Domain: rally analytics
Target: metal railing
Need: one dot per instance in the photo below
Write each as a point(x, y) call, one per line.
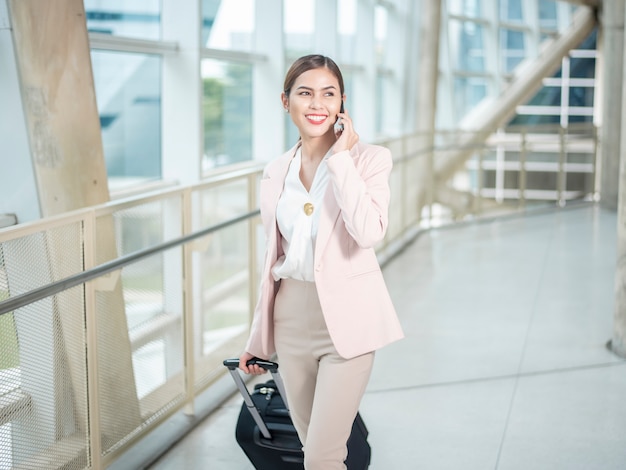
point(115, 317)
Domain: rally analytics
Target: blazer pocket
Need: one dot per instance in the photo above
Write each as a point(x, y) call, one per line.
point(362, 260)
point(367, 272)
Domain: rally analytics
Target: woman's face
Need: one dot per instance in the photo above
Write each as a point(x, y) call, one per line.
point(314, 101)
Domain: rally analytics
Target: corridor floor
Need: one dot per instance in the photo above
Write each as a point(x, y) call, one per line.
point(504, 365)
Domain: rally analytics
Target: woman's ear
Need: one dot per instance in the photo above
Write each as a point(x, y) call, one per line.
point(285, 100)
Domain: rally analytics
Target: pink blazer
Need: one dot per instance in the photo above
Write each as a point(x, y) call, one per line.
point(355, 302)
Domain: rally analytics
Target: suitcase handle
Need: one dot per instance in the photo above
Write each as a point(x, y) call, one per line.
point(267, 365)
point(233, 366)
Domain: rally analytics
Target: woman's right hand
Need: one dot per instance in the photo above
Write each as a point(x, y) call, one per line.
point(252, 369)
point(346, 138)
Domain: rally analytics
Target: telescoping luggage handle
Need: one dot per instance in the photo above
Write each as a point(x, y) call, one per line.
point(233, 368)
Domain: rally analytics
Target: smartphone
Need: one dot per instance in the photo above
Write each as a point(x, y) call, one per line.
point(338, 123)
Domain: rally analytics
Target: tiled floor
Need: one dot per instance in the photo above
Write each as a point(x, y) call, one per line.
point(505, 364)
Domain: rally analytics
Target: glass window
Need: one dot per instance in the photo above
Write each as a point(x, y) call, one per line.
point(511, 10)
point(590, 42)
point(228, 24)
point(380, 97)
point(547, 96)
point(547, 14)
point(468, 92)
point(469, 8)
point(299, 26)
point(130, 19)
point(466, 39)
point(581, 96)
point(346, 29)
point(128, 92)
point(512, 47)
point(576, 119)
point(545, 36)
point(227, 113)
point(535, 119)
point(380, 28)
point(582, 67)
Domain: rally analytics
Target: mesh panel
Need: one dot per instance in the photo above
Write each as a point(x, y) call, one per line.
point(139, 227)
point(218, 204)
point(139, 320)
point(224, 297)
point(43, 257)
point(220, 274)
point(43, 392)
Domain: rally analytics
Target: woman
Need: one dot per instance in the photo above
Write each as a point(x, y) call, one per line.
point(324, 307)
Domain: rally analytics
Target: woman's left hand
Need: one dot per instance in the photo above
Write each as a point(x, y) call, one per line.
point(346, 138)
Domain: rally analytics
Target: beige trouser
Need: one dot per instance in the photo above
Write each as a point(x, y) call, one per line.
point(323, 389)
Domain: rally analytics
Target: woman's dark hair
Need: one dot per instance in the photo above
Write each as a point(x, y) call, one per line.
point(310, 62)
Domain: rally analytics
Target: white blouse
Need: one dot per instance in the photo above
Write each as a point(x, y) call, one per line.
point(298, 215)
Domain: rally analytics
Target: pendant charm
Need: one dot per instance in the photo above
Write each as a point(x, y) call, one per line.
point(308, 208)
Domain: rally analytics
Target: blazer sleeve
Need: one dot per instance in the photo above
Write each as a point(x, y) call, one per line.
point(361, 188)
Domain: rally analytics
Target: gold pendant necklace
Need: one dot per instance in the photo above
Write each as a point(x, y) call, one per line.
point(308, 208)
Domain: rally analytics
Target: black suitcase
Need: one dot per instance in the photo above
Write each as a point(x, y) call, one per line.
point(266, 434)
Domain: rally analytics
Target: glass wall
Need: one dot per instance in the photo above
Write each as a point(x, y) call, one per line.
point(548, 15)
point(481, 50)
point(346, 30)
point(128, 92)
point(568, 96)
point(134, 19)
point(227, 113)
point(484, 49)
point(228, 24)
point(298, 27)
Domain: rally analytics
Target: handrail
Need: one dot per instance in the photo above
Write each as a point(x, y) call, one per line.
point(56, 287)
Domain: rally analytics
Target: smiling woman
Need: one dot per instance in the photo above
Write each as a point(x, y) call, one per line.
point(324, 308)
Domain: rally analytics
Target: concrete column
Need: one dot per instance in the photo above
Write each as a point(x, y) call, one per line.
point(394, 100)
point(56, 82)
point(53, 58)
point(618, 342)
point(427, 79)
point(360, 103)
point(182, 93)
point(269, 139)
point(612, 57)
point(325, 36)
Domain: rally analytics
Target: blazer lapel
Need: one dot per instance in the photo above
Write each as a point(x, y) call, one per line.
point(329, 215)
point(272, 186)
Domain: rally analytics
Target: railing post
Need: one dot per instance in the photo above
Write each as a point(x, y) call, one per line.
point(522, 169)
point(480, 180)
point(500, 163)
point(596, 174)
point(188, 306)
point(431, 182)
point(404, 162)
point(560, 182)
point(252, 245)
point(91, 338)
